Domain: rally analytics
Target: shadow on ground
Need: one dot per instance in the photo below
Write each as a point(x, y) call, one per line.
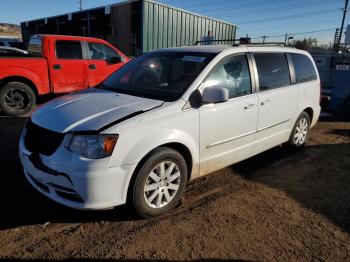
point(318, 177)
point(115, 260)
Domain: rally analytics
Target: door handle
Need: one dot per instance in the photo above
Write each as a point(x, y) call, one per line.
point(57, 67)
point(266, 102)
point(92, 67)
point(250, 106)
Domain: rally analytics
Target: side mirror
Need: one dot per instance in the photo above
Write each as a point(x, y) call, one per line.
point(114, 60)
point(214, 94)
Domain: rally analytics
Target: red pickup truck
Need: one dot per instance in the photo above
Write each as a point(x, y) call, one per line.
point(55, 64)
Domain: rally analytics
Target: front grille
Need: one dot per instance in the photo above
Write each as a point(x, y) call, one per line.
point(41, 140)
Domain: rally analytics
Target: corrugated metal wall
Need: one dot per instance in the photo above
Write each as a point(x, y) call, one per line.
point(121, 26)
point(164, 26)
point(134, 26)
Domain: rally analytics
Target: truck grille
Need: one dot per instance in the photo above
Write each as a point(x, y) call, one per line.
point(41, 140)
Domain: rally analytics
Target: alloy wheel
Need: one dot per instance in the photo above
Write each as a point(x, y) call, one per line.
point(162, 184)
point(301, 132)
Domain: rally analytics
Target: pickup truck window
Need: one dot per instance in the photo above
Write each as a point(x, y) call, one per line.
point(99, 51)
point(69, 50)
point(35, 46)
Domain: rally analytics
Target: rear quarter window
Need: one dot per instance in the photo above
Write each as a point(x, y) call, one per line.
point(303, 67)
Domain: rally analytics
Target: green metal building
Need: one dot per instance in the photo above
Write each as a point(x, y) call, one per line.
point(134, 26)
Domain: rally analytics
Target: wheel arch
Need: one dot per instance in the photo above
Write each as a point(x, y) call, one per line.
point(179, 147)
point(310, 112)
point(20, 79)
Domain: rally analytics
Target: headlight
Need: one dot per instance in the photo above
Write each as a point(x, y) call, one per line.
point(93, 146)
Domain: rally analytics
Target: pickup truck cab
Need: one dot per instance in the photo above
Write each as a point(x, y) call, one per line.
point(167, 117)
point(55, 64)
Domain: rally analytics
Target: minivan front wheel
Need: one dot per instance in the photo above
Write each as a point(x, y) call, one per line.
point(159, 182)
point(301, 131)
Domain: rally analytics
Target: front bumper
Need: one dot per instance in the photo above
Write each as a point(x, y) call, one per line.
point(75, 183)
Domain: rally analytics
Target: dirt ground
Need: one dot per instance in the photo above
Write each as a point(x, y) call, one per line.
point(280, 205)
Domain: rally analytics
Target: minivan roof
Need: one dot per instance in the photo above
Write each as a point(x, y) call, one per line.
point(219, 48)
point(199, 48)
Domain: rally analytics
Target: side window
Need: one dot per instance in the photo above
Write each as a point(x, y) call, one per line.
point(69, 50)
point(2, 43)
point(304, 69)
point(273, 70)
point(101, 51)
point(232, 73)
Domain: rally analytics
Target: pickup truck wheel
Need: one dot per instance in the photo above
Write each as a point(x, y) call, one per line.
point(301, 131)
point(16, 99)
point(159, 183)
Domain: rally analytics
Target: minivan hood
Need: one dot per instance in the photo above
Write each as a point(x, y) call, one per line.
point(89, 110)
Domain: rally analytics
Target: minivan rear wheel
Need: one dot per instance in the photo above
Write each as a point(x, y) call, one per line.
point(301, 131)
point(159, 182)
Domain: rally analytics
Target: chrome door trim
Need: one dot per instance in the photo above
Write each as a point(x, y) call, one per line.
point(273, 125)
point(246, 134)
point(230, 139)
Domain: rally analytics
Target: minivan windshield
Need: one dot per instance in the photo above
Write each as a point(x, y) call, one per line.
point(162, 75)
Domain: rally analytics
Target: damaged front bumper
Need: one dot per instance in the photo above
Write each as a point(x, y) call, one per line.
point(74, 181)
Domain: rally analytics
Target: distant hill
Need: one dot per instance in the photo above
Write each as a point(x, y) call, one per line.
point(10, 29)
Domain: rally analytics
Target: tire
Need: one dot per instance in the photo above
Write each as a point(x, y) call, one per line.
point(301, 131)
point(161, 196)
point(16, 99)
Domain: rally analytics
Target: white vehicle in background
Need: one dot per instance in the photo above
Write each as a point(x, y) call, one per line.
point(12, 42)
point(8, 51)
point(167, 117)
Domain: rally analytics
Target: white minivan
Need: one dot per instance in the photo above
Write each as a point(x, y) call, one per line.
point(167, 117)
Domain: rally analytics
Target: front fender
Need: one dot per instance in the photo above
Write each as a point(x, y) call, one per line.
point(144, 146)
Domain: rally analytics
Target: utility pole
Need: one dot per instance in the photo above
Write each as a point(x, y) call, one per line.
point(342, 22)
point(80, 5)
point(285, 39)
point(338, 34)
point(264, 37)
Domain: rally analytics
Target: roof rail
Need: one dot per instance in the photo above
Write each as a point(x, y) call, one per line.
point(267, 43)
point(209, 41)
point(240, 41)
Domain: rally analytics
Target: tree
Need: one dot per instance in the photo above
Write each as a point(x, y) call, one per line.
point(304, 44)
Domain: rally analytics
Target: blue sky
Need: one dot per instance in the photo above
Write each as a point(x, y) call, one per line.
point(253, 17)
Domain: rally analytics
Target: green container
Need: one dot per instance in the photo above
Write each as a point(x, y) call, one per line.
point(135, 26)
point(164, 26)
